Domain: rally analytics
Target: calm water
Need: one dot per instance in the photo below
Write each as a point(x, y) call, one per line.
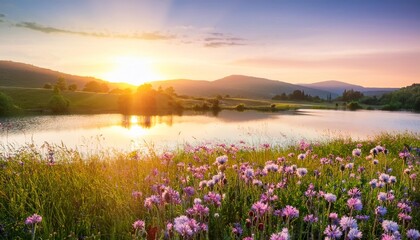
point(167, 132)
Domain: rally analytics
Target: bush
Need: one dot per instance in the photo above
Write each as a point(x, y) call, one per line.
point(59, 104)
point(354, 106)
point(240, 107)
point(6, 105)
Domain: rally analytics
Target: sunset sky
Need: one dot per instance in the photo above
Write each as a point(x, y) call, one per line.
point(370, 43)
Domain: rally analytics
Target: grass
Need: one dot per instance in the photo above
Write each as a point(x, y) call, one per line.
point(101, 195)
point(38, 98)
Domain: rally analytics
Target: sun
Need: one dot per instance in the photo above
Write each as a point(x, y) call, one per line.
point(132, 70)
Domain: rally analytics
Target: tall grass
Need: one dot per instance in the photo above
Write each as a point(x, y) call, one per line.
point(100, 196)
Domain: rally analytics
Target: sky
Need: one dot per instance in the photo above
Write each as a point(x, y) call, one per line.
point(370, 43)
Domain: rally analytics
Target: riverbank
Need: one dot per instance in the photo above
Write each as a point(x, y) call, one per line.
point(35, 101)
point(220, 190)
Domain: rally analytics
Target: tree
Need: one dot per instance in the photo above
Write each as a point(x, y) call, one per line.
point(95, 86)
point(351, 95)
point(146, 87)
point(61, 83)
point(58, 103)
point(48, 86)
point(73, 87)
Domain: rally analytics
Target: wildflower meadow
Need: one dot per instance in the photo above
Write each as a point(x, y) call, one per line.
point(338, 189)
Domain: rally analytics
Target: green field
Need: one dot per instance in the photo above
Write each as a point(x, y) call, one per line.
point(37, 99)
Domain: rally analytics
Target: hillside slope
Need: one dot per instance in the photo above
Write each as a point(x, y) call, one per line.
point(237, 86)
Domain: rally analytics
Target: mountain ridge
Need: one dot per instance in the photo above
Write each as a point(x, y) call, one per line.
point(19, 74)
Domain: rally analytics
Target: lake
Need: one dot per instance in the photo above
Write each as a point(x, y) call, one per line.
point(122, 132)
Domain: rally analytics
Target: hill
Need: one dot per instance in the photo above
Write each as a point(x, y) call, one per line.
point(237, 86)
point(15, 74)
point(338, 87)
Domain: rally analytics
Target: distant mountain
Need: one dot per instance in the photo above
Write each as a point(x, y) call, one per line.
point(15, 74)
point(237, 86)
point(338, 87)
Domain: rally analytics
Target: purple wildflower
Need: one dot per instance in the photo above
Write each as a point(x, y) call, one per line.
point(330, 197)
point(355, 203)
point(260, 208)
point(354, 233)
point(310, 218)
point(333, 232)
point(33, 219)
point(139, 225)
point(301, 172)
point(283, 235)
point(356, 152)
point(348, 222)
point(290, 212)
point(222, 159)
point(389, 226)
point(213, 198)
point(185, 226)
point(380, 210)
point(413, 234)
point(189, 191)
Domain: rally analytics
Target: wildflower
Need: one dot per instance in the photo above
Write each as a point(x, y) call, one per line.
point(354, 193)
point(290, 212)
point(260, 208)
point(169, 195)
point(392, 179)
point(348, 222)
point(384, 178)
point(355, 203)
point(249, 173)
point(413, 234)
point(301, 172)
point(283, 235)
point(333, 216)
point(310, 218)
point(139, 225)
point(271, 167)
point(404, 207)
point(237, 229)
point(189, 191)
point(382, 196)
point(222, 159)
point(354, 233)
point(333, 232)
point(185, 226)
point(325, 161)
point(330, 197)
point(350, 165)
point(375, 161)
point(310, 192)
point(404, 217)
point(213, 198)
point(373, 183)
point(389, 226)
point(33, 219)
point(301, 156)
point(198, 210)
point(152, 200)
point(356, 152)
point(380, 210)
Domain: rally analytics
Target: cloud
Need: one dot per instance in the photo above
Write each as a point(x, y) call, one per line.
point(222, 44)
point(394, 62)
point(218, 39)
point(139, 36)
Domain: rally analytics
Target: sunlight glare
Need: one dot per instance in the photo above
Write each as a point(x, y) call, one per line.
point(132, 70)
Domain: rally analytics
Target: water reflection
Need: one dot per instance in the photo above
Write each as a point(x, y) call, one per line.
point(130, 121)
